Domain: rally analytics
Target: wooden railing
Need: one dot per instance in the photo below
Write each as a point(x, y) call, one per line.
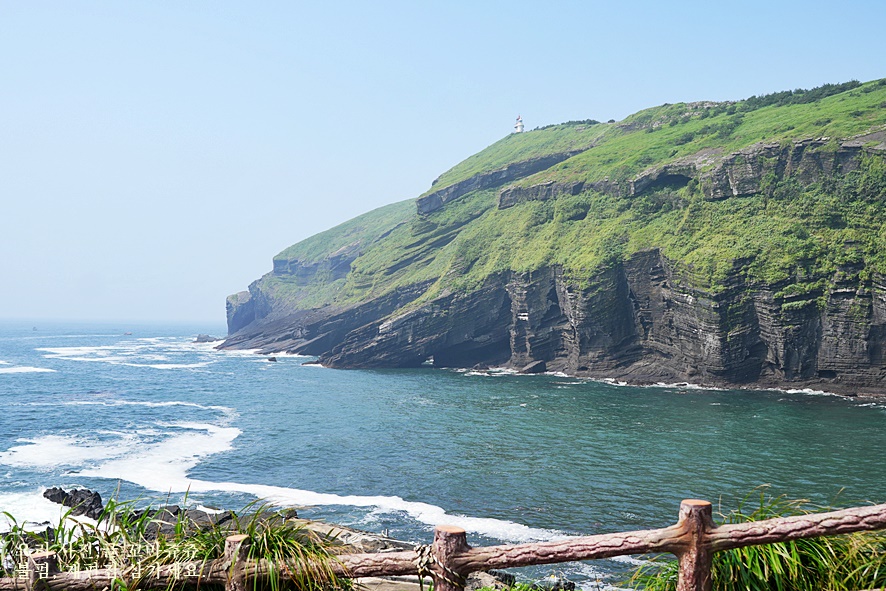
point(693, 539)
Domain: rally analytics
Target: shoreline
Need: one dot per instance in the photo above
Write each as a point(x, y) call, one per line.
point(819, 386)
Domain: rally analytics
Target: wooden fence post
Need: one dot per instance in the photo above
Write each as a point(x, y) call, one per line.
point(449, 541)
point(696, 560)
point(236, 548)
point(41, 565)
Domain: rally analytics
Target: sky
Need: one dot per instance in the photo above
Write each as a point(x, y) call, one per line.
point(155, 156)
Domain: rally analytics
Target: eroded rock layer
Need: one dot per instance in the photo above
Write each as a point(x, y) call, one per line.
point(640, 321)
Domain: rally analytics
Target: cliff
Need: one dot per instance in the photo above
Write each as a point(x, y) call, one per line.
point(715, 243)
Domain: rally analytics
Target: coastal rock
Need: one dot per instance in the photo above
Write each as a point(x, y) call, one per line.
point(205, 338)
point(240, 310)
point(535, 367)
point(493, 579)
point(83, 501)
point(512, 195)
point(641, 320)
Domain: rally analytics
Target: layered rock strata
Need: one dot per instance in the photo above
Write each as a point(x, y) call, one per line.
point(641, 321)
point(738, 174)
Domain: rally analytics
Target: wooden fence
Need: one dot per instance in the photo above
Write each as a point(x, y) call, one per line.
point(693, 539)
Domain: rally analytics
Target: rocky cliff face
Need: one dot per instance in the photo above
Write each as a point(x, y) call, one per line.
point(640, 321)
point(738, 174)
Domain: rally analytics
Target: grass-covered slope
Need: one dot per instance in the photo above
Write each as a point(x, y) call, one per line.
point(566, 137)
point(793, 231)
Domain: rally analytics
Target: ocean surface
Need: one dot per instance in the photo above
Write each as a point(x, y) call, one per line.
point(156, 417)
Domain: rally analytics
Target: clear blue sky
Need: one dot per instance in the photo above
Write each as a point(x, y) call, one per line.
point(154, 156)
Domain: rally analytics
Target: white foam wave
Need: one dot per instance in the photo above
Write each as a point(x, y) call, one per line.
point(238, 352)
point(163, 467)
point(229, 413)
point(25, 369)
point(684, 386)
point(51, 451)
point(812, 392)
point(143, 352)
point(425, 513)
point(171, 365)
point(492, 372)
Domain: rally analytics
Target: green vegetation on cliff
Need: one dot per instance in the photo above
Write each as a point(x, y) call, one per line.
point(774, 188)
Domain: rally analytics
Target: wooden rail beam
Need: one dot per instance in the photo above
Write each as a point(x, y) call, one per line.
point(784, 529)
point(666, 539)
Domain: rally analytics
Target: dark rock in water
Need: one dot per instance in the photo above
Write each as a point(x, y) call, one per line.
point(274, 359)
point(205, 338)
point(83, 501)
point(535, 367)
point(56, 495)
point(480, 367)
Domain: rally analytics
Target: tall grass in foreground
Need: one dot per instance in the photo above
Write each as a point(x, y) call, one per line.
point(136, 542)
point(846, 562)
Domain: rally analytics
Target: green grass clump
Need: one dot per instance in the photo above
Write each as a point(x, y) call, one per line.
point(846, 562)
point(132, 542)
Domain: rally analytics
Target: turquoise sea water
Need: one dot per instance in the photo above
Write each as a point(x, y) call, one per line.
point(509, 458)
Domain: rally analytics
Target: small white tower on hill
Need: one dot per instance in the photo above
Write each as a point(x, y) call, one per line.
point(518, 128)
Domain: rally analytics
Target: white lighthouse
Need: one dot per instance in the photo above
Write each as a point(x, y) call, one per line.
point(518, 128)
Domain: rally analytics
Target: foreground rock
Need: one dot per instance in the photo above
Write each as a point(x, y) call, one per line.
point(82, 501)
point(163, 521)
point(476, 580)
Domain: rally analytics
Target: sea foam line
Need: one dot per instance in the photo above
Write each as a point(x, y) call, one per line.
point(163, 467)
point(229, 413)
point(26, 369)
point(425, 513)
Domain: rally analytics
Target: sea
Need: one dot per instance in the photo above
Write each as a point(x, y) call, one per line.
point(144, 413)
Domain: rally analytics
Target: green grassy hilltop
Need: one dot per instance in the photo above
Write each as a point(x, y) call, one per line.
point(794, 229)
